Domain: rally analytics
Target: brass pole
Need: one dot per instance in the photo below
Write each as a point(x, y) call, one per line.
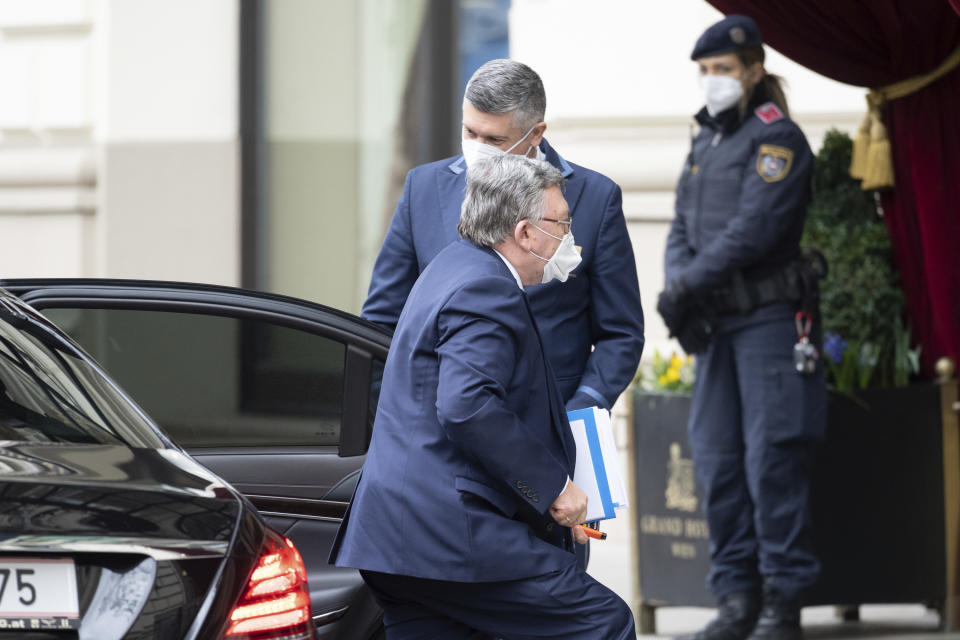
point(643, 614)
point(951, 492)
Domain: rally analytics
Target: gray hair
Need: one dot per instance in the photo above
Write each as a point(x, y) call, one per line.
point(506, 86)
point(501, 192)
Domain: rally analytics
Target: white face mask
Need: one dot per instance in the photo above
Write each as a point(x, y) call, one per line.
point(475, 151)
point(722, 92)
point(564, 260)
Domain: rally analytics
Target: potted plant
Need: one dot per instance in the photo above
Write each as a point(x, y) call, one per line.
point(672, 539)
point(884, 447)
point(866, 344)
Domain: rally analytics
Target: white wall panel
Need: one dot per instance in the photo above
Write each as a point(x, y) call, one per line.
point(48, 14)
point(632, 57)
point(45, 82)
point(45, 245)
point(16, 69)
point(61, 84)
point(47, 172)
point(169, 70)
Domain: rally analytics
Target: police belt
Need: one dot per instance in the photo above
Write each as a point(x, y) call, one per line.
point(744, 294)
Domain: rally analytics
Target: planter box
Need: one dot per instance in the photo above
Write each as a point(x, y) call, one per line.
point(885, 501)
point(673, 548)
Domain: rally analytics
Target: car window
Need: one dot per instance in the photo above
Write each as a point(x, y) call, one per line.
point(48, 394)
point(214, 381)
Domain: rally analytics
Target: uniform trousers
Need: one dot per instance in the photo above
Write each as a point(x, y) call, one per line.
point(753, 427)
point(564, 604)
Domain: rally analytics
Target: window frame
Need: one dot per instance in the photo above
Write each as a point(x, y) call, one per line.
point(363, 341)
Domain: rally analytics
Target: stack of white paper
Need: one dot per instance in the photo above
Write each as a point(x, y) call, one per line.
point(598, 467)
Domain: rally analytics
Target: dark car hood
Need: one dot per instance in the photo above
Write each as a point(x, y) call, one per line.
point(111, 491)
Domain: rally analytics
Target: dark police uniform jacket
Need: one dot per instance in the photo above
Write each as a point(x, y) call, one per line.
point(592, 324)
point(742, 197)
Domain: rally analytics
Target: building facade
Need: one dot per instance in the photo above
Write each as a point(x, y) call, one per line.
point(263, 143)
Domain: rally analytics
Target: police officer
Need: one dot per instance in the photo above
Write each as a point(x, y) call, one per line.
point(738, 296)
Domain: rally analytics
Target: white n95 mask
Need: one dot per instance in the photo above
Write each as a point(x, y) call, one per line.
point(474, 151)
point(721, 92)
point(564, 260)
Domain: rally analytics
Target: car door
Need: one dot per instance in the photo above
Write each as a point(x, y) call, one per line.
point(274, 394)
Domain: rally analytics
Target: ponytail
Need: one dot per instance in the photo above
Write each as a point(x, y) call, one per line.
point(773, 84)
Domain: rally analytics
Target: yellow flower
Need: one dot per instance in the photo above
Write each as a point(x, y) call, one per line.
point(673, 374)
point(675, 361)
point(663, 379)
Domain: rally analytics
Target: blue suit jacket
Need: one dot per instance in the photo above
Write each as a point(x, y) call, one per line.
point(471, 443)
point(599, 308)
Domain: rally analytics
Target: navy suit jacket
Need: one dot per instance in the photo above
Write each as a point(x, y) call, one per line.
point(471, 443)
point(592, 323)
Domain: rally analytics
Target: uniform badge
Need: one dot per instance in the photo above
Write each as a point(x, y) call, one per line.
point(773, 162)
point(738, 35)
point(768, 113)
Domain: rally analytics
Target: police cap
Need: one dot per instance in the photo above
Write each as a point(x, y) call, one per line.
point(733, 33)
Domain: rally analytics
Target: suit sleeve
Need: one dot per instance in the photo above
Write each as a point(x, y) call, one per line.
point(767, 211)
point(678, 254)
point(396, 269)
point(616, 313)
point(482, 329)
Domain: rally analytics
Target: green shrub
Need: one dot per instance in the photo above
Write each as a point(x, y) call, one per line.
point(865, 341)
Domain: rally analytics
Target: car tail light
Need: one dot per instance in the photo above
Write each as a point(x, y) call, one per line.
point(275, 603)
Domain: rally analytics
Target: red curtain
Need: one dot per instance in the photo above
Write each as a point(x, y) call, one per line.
point(872, 43)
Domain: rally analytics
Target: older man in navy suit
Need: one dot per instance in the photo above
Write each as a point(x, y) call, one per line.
point(464, 520)
point(593, 323)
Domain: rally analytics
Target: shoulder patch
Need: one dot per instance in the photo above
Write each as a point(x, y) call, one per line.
point(768, 113)
point(773, 162)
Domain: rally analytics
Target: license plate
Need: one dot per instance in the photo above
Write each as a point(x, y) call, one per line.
point(38, 593)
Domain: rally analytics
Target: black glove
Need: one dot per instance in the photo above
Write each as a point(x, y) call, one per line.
point(673, 305)
point(691, 325)
point(694, 335)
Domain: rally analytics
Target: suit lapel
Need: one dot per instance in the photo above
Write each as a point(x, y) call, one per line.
point(452, 185)
point(572, 189)
point(573, 181)
point(451, 188)
point(558, 414)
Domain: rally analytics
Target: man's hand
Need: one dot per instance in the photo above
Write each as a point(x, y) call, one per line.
point(579, 536)
point(570, 509)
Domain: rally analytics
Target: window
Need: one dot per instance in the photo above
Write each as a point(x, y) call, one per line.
point(213, 381)
point(48, 394)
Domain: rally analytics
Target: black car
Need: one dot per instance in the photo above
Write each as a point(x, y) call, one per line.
point(273, 394)
point(107, 529)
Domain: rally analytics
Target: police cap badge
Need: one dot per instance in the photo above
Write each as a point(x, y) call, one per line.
point(731, 34)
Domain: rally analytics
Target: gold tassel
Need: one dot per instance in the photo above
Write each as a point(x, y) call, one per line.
point(878, 173)
point(872, 159)
point(861, 145)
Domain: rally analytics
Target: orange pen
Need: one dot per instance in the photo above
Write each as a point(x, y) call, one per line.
point(593, 533)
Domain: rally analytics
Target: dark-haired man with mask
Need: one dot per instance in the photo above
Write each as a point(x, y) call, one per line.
point(589, 314)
